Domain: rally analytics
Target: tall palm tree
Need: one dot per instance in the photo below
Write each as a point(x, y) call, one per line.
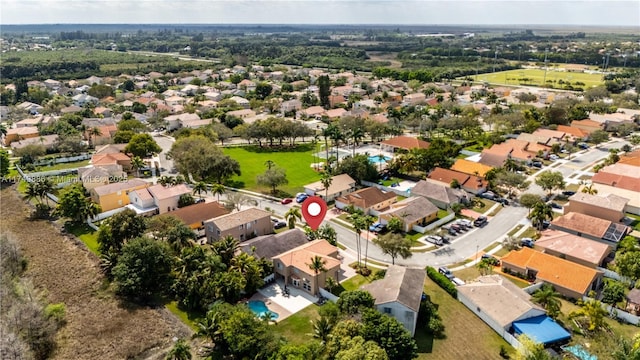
point(317, 265)
point(368, 221)
point(292, 215)
point(180, 351)
point(93, 132)
point(44, 187)
point(218, 189)
point(540, 213)
point(226, 249)
point(358, 225)
point(199, 188)
point(548, 298)
point(137, 163)
point(326, 179)
point(356, 135)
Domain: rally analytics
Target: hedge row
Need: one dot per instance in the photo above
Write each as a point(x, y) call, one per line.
point(442, 280)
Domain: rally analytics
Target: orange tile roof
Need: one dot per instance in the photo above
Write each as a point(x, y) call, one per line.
point(582, 223)
point(406, 142)
point(197, 213)
point(553, 270)
point(587, 123)
point(557, 134)
point(301, 256)
point(110, 158)
point(470, 167)
point(574, 131)
point(616, 180)
point(632, 158)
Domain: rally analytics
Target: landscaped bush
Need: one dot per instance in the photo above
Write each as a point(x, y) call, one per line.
point(442, 280)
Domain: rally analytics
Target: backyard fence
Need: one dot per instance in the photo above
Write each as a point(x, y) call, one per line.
point(618, 313)
point(532, 288)
point(386, 188)
point(327, 295)
point(433, 225)
point(612, 274)
point(60, 160)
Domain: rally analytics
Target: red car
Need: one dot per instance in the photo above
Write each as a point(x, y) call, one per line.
point(286, 201)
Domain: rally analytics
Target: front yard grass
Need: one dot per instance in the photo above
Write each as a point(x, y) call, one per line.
point(442, 213)
point(635, 224)
point(466, 335)
point(87, 235)
point(298, 328)
point(252, 161)
point(483, 205)
point(529, 233)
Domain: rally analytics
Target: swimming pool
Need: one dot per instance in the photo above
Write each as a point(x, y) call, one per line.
point(260, 308)
point(375, 159)
point(580, 352)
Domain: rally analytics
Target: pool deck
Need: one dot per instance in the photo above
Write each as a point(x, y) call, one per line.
point(273, 297)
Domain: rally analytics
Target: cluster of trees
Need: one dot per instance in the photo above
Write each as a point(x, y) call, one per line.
point(199, 157)
point(273, 130)
point(441, 153)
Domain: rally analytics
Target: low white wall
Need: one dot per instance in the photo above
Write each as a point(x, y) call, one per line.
point(326, 294)
point(618, 313)
point(433, 225)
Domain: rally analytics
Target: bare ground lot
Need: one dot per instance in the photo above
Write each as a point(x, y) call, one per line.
point(98, 325)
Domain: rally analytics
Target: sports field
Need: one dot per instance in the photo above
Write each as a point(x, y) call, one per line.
point(253, 159)
point(536, 77)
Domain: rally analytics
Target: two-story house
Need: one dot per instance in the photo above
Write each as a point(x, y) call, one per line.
point(242, 225)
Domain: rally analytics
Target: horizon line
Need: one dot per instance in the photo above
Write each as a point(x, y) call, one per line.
point(321, 24)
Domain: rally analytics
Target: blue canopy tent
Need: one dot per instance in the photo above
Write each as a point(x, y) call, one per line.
point(542, 329)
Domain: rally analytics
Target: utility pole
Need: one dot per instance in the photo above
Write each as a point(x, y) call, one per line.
point(544, 81)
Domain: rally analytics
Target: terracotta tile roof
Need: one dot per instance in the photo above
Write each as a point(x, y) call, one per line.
point(26, 130)
point(314, 110)
point(335, 113)
point(160, 191)
point(588, 124)
point(406, 142)
point(622, 169)
point(557, 134)
point(498, 297)
point(110, 148)
point(574, 131)
point(301, 256)
point(471, 167)
point(583, 223)
point(465, 180)
point(367, 197)
point(400, 284)
point(517, 149)
point(615, 180)
point(119, 186)
point(230, 221)
point(610, 201)
point(198, 213)
point(632, 158)
point(572, 245)
point(108, 158)
point(553, 270)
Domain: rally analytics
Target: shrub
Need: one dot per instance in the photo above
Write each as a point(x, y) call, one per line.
point(442, 281)
point(56, 312)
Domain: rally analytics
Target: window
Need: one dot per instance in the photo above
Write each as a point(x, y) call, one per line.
point(248, 225)
point(241, 237)
point(218, 232)
point(387, 310)
point(241, 227)
point(279, 266)
point(255, 221)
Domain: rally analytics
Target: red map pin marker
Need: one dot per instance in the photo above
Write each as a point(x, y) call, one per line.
point(314, 209)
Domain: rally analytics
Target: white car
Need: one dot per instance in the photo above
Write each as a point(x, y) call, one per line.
point(553, 157)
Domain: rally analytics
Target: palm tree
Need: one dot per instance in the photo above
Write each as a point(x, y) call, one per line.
point(93, 132)
point(317, 265)
point(90, 210)
point(356, 134)
point(218, 189)
point(548, 298)
point(199, 188)
point(180, 351)
point(540, 213)
point(330, 283)
point(589, 189)
point(44, 187)
point(358, 225)
point(226, 249)
point(593, 312)
point(292, 215)
point(269, 164)
point(368, 221)
point(3, 130)
point(210, 328)
point(322, 328)
point(137, 163)
point(326, 179)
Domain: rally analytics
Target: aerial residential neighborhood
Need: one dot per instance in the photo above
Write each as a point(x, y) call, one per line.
point(158, 202)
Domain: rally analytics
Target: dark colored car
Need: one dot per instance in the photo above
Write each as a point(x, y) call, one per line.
point(279, 225)
point(286, 201)
point(503, 201)
point(488, 195)
point(480, 221)
point(555, 205)
point(446, 272)
point(536, 164)
point(568, 193)
point(300, 199)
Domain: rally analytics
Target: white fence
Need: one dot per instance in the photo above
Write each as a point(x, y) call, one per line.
point(386, 188)
point(63, 159)
point(532, 288)
point(269, 278)
point(512, 340)
point(618, 313)
point(326, 294)
point(612, 274)
point(433, 225)
point(106, 214)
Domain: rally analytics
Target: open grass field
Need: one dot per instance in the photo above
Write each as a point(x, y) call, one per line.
point(297, 328)
point(87, 235)
point(64, 166)
point(536, 78)
point(252, 161)
point(466, 336)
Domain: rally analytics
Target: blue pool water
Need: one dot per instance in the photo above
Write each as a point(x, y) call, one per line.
point(580, 352)
point(375, 159)
point(259, 308)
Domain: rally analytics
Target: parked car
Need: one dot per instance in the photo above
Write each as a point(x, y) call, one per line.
point(536, 164)
point(554, 157)
point(198, 201)
point(286, 201)
point(446, 272)
point(568, 193)
point(457, 281)
point(583, 146)
point(488, 195)
point(545, 224)
point(555, 205)
point(434, 239)
point(480, 221)
point(503, 201)
point(300, 199)
point(279, 225)
point(377, 227)
point(528, 242)
point(465, 222)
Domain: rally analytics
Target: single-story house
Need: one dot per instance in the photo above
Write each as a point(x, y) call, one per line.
point(414, 212)
point(440, 195)
point(48, 141)
point(21, 133)
point(175, 121)
point(242, 225)
point(404, 143)
point(370, 200)
point(586, 125)
point(500, 303)
point(111, 159)
point(340, 185)
point(577, 249)
point(590, 227)
point(469, 183)
point(293, 265)
point(195, 215)
point(115, 195)
point(471, 167)
point(398, 294)
point(610, 207)
point(157, 198)
point(272, 245)
point(633, 206)
point(242, 114)
point(633, 301)
point(568, 278)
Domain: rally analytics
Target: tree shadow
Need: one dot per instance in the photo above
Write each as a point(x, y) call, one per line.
point(279, 148)
point(235, 184)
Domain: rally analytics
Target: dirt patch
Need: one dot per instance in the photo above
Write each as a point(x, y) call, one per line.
point(99, 326)
point(394, 63)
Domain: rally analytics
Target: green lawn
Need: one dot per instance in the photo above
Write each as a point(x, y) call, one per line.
point(529, 233)
point(636, 221)
point(355, 282)
point(252, 161)
point(87, 235)
point(483, 205)
point(537, 76)
point(466, 336)
point(298, 328)
point(63, 166)
point(442, 213)
point(189, 318)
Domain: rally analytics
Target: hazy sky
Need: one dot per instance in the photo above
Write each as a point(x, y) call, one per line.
point(481, 12)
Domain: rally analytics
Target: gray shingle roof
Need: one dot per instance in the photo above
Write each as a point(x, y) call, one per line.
point(400, 284)
point(269, 246)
